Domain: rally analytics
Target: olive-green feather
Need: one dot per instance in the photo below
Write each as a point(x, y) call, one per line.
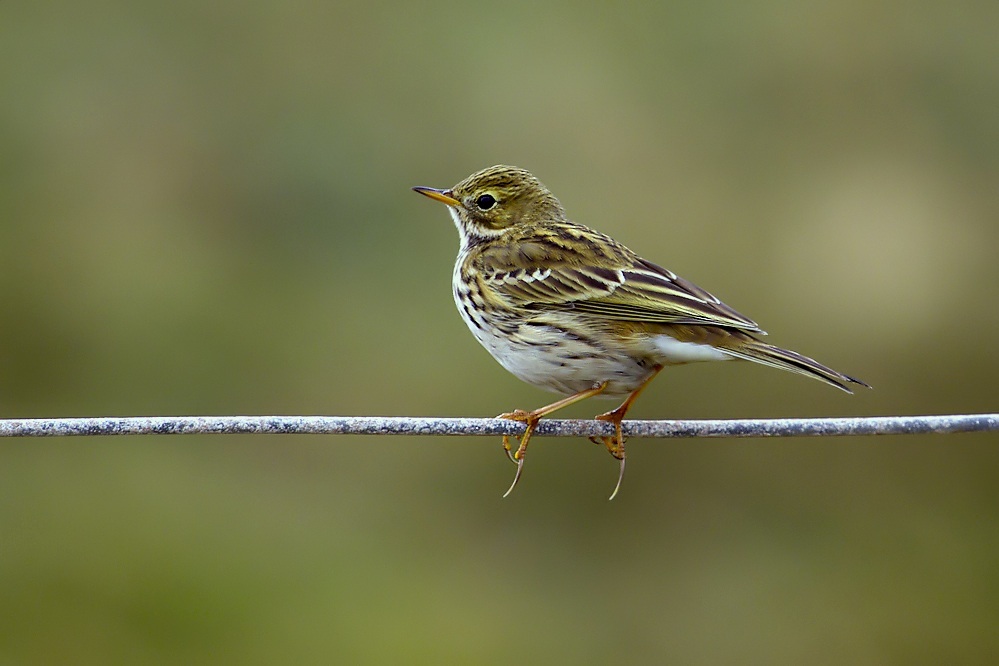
point(599, 277)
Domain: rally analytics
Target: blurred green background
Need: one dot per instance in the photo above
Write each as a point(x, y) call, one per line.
point(206, 210)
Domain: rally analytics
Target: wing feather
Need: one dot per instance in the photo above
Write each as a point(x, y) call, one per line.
point(577, 269)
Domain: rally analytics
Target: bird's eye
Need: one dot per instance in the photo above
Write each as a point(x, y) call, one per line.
point(485, 202)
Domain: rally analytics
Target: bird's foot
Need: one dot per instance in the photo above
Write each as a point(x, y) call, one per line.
point(531, 420)
point(615, 444)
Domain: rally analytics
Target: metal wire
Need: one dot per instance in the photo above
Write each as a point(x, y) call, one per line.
point(377, 425)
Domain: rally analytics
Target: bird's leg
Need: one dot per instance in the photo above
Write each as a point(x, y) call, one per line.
point(531, 419)
point(615, 444)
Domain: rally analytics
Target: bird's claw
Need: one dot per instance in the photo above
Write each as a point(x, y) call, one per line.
point(516, 476)
point(615, 444)
point(530, 419)
point(620, 478)
point(508, 449)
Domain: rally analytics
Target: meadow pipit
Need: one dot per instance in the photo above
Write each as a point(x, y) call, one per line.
point(568, 309)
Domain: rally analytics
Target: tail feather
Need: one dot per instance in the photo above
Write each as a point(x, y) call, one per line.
point(792, 361)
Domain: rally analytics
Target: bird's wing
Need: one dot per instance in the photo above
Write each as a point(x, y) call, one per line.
point(592, 274)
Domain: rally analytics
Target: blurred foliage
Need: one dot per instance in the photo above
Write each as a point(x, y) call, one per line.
point(206, 210)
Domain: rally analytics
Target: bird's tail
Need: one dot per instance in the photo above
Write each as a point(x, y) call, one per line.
point(785, 359)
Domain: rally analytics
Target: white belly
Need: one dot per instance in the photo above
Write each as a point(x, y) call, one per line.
point(553, 362)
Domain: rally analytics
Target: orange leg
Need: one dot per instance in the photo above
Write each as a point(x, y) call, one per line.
point(615, 444)
point(532, 419)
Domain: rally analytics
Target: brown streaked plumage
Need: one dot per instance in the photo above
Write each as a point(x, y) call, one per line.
point(571, 310)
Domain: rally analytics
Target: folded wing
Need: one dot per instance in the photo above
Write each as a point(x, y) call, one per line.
point(607, 281)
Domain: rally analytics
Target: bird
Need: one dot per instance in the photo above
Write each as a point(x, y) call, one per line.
point(571, 310)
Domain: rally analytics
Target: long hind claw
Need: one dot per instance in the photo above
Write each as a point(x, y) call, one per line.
point(516, 477)
point(620, 478)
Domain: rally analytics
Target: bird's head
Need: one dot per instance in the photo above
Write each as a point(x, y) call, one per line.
point(494, 200)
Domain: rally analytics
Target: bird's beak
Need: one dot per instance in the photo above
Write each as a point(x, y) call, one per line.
point(444, 196)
